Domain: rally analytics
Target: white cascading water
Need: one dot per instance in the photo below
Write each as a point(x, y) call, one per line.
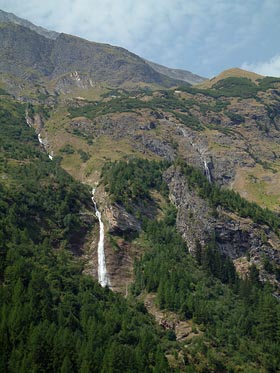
point(207, 171)
point(103, 278)
point(41, 141)
point(201, 152)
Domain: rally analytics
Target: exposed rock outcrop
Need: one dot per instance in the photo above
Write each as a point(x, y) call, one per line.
point(234, 236)
point(120, 221)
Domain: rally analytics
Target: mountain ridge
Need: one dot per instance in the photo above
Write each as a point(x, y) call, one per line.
point(178, 74)
point(10, 17)
point(35, 58)
point(234, 72)
point(174, 74)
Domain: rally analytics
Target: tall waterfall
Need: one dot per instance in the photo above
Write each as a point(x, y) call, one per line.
point(42, 142)
point(103, 278)
point(201, 151)
point(207, 171)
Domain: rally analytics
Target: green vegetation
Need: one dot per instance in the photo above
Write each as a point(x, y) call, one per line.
point(130, 183)
point(43, 110)
point(67, 149)
point(54, 318)
point(218, 106)
point(239, 319)
point(235, 87)
point(189, 121)
point(16, 140)
point(3, 92)
point(167, 101)
point(235, 117)
point(268, 83)
point(84, 155)
point(228, 199)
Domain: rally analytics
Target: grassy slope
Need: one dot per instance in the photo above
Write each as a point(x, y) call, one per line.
point(105, 147)
point(234, 72)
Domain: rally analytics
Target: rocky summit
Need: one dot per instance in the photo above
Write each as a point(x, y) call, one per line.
point(164, 181)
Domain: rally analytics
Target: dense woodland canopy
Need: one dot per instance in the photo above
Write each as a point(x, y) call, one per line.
point(239, 319)
point(56, 319)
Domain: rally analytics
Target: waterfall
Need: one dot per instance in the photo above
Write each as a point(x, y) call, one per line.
point(207, 171)
point(103, 278)
point(201, 151)
point(44, 144)
point(30, 123)
point(40, 139)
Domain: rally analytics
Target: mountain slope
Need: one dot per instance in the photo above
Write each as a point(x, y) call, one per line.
point(53, 317)
point(187, 184)
point(11, 18)
point(230, 73)
point(234, 139)
point(69, 60)
point(178, 74)
point(92, 57)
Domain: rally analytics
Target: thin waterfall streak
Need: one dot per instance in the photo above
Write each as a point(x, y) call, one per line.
point(103, 278)
point(207, 171)
point(41, 141)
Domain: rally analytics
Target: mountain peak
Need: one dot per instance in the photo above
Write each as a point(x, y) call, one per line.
point(234, 72)
point(161, 74)
point(6, 17)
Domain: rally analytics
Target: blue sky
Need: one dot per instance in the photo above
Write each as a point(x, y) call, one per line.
point(202, 36)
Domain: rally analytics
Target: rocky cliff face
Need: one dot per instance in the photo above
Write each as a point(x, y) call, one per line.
point(234, 141)
point(24, 53)
point(120, 221)
point(238, 139)
point(235, 237)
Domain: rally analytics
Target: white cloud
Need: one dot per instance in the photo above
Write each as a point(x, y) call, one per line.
point(268, 68)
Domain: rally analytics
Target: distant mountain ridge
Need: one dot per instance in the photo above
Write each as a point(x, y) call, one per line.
point(178, 74)
point(230, 73)
point(62, 54)
point(70, 62)
point(10, 17)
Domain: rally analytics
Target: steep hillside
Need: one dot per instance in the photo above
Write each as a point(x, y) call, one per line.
point(174, 74)
point(234, 140)
point(53, 317)
point(230, 73)
point(6, 17)
point(237, 137)
point(212, 311)
point(186, 196)
point(68, 63)
point(178, 74)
